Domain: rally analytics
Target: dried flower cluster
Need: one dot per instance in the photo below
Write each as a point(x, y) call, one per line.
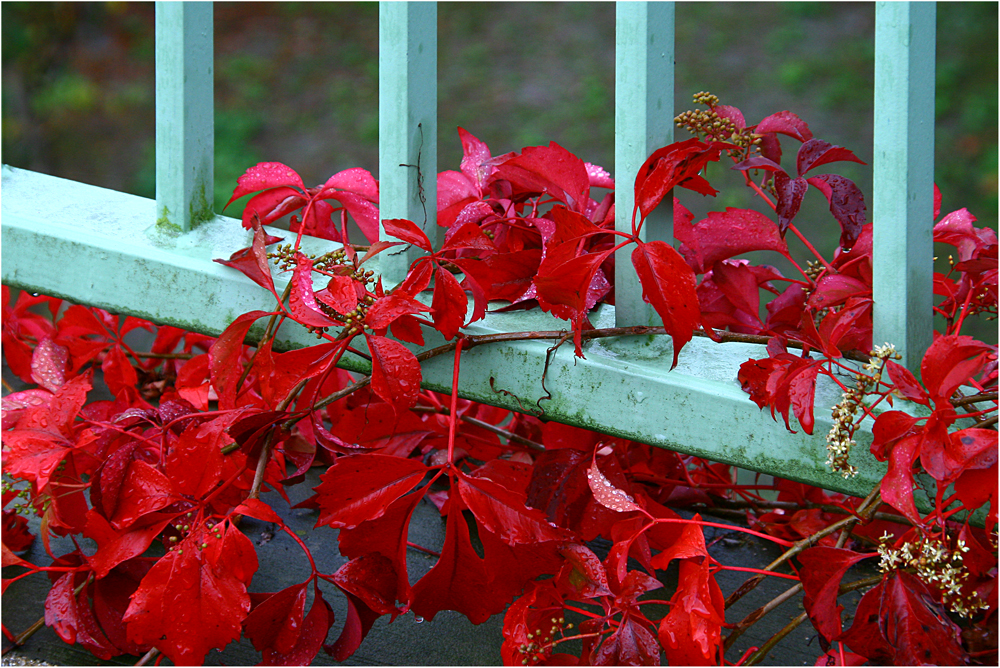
point(937, 566)
point(840, 440)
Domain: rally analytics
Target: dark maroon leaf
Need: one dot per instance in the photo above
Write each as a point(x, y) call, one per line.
point(847, 204)
point(786, 123)
point(816, 152)
point(790, 194)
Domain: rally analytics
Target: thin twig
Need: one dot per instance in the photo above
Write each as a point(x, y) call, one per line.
point(757, 656)
point(499, 431)
point(147, 657)
point(867, 506)
point(974, 398)
point(166, 356)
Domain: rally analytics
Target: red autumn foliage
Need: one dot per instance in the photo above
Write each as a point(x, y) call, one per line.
point(190, 441)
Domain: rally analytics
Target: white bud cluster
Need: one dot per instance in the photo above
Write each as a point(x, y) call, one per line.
point(840, 440)
point(938, 567)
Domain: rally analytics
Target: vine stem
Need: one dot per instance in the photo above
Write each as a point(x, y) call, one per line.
point(868, 505)
point(499, 431)
point(147, 657)
point(453, 421)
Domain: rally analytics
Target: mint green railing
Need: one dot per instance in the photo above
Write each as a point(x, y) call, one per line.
point(154, 259)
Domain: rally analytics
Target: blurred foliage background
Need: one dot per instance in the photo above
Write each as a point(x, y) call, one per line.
point(298, 83)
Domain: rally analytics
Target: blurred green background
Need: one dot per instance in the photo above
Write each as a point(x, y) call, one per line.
point(298, 83)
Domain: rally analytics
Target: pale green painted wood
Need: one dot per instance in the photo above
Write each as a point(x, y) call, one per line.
point(87, 244)
point(903, 178)
point(185, 114)
point(644, 122)
point(407, 124)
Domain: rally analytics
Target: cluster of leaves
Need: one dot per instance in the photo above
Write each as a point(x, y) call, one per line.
point(199, 427)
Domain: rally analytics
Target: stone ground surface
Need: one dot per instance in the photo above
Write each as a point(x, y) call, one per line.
point(447, 640)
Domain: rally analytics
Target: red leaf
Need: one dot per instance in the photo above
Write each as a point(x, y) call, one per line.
point(950, 362)
point(194, 599)
point(607, 494)
point(276, 623)
point(632, 644)
point(258, 510)
point(60, 609)
point(847, 204)
point(906, 384)
point(835, 289)
point(314, 631)
point(475, 158)
point(48, 365)
point(449, 303)
point(822, 570)
point(408, 231)
point(976, 487)
point(195, 462)
point(889, 428)
point(395, 372)
point(224, 357)
point(458, 581)
point(897, 485)
point(669, 285)
point(688, 543)
point(816, 152)
point(469, 235)
point(786, 123)
point(504, 512)
point(301, 300)
point(252, 261)
point(370, 585)
point(898, 622)
point(390, 307)
point(115, 547)
point(361, 487)
point(265, 175)
point(547, 169)
point(385, 535)
point(16, 404)
point(691, 633)
point(675, 165)
point(790, 193)
point(583, 574)
point(144, 490)
point(340, 294)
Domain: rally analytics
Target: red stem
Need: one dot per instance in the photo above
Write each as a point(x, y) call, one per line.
point(453, 418)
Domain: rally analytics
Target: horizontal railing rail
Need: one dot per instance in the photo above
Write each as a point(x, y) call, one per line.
point(131, 255)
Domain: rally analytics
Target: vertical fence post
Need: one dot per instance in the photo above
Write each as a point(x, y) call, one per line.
point(644, 122)
point(185, 115)
point(903, 177)
point(407, 87)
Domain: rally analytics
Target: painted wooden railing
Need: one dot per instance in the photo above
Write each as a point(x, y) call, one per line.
point(151, 259)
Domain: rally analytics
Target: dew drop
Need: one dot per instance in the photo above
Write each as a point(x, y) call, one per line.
point(418, 619)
